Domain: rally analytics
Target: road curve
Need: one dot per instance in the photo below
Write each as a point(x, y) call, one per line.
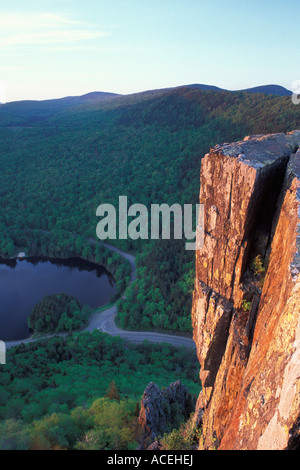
point(12, 344)
point(105, 321)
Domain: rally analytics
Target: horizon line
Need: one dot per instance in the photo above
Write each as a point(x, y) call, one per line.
point(214, 88)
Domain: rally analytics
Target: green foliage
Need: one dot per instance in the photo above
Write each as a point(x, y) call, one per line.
point(82, 391)
point(257, 266)
point(115, 425)
point(14, 436)
point(148, 147)
point(184, 437)
point(104, 425)
point(175, 441)
point(246, 306)
point(56, 313)
point(166, 304)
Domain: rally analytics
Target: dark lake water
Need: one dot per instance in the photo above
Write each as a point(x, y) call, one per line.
point(24, 283)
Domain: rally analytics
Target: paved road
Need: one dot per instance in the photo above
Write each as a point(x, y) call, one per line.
point(105, 321)
point(12, 344)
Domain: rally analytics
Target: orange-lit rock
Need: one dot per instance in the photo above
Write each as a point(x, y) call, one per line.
point(246, 328)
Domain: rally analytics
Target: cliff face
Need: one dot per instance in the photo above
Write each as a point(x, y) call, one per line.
point(246, 319)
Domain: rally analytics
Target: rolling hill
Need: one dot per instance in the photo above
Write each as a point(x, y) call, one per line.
point(28, 112)
point(276, 90)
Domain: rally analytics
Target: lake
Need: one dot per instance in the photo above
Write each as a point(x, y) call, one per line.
point(25, 282)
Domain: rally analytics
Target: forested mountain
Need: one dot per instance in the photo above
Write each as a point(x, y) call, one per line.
point(60, 159)
point(266, 89)
point(270, 90)
point(30, 112)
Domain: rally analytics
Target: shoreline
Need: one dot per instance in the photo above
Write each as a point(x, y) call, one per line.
point(104, 321)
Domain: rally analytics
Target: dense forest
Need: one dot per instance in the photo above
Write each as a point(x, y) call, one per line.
point(84, 391)
point(61, 160)
point(56, 313)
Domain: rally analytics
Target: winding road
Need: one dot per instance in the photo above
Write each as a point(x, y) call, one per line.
point(104, 321)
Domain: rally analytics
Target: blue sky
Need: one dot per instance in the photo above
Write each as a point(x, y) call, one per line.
point(56, 48)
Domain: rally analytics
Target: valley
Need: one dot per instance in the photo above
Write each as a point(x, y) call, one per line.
point(60, 159)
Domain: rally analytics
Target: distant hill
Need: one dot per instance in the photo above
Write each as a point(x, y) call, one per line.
point(267, 89)
point(30, 111)
point(93, 96)
point(270, 90)
point(200, 86)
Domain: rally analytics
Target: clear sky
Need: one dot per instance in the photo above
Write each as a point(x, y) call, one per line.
point(55, 48)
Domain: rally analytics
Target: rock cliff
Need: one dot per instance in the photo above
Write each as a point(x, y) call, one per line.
point(162, 410)
point(246, 303)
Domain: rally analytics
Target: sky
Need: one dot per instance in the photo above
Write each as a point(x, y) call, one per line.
point(51, 49)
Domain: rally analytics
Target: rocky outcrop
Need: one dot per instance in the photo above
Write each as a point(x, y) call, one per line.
point(161, 410)
point(246, 317)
